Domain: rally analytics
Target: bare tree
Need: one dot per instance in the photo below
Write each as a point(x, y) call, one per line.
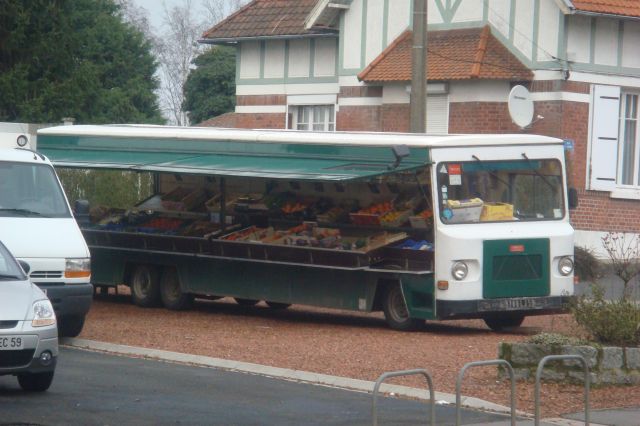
point(178, 45)
point(220, 9)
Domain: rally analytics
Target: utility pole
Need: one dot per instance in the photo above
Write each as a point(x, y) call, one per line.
point(418, 102)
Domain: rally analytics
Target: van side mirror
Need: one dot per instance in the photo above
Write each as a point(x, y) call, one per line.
point(81, 211)
point(573, 198)
point(25, 266)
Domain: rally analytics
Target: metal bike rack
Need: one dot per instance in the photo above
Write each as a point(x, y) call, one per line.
point(481, 364)
point(541, 364)
point(383, 377)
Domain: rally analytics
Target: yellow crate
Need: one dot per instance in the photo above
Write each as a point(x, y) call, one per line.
point(496, 211)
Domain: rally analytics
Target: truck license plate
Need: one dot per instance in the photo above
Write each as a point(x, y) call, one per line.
point(11, 343)
point(511, 304)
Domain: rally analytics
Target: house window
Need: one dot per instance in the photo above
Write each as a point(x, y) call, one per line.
point(320, 118)
point(629, 140)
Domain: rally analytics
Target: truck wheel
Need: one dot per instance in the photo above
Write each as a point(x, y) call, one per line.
point(70, 326)
point(277, 305)
point(395, 310)
point(504, 322)
point(145, 288)
point(171, 291)
point(35, 382)
point(245, 302)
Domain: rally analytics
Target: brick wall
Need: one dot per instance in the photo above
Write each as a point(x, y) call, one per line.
point(359, 118)
point(396, 118)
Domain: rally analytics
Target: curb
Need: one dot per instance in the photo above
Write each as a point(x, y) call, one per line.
point(283, 373)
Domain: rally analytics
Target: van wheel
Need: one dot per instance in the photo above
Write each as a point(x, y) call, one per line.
point(70, 326)
point(35, 382)
point(277, 305)
point(504, 322)
point(395, 310)
point(171, 291)
point(245, 302)
point(145, 287)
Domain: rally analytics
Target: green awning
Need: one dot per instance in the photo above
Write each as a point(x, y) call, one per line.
point(225, 165)
point(158, 150)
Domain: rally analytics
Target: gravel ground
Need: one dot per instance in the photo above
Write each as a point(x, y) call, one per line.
point(343, 344)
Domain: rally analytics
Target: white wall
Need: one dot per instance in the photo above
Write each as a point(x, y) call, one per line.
point(468, 11)
point(399, 18)
point(606, 49)
point(578, 38)
point(299, 58)
point(523, 37)
point(324, 63)
point(250, 59)
point(499, 12)
point(352, 37)
point(631, 45)
point(547, 37)
point(274, 59)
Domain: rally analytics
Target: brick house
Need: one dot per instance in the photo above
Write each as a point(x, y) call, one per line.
point(346, 65)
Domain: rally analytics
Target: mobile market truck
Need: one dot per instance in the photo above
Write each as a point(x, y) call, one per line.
point(421, 227)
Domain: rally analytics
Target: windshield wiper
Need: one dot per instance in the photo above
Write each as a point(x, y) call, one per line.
point(495, 175)
point(24, 212)
point(544, 178)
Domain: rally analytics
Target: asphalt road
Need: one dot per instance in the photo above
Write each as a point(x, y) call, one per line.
point(100, 389)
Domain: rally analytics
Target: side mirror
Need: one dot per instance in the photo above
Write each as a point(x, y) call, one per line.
point(81, 211)
point(573, 198)
point(25, 266)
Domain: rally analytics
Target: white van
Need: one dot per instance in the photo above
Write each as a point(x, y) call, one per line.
point(37, 226)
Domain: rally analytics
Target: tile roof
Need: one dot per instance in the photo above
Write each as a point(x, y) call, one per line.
point(264, 18)
point(614, 7)
point(451, 55)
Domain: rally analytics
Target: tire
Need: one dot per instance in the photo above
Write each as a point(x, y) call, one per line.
point(505, 322)
point(171, 292)
point(35, 382)
point(395, 310)
point(70, 326)
point(245, 302)
point(278, 305)
point(145, 286)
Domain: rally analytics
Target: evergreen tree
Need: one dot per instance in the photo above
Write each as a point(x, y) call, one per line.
point(74, 58)
point(210, 88)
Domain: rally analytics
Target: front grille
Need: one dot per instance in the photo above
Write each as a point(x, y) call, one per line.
point(19, 358)
point(517, 268)
point(8, 324)
point(46, 274)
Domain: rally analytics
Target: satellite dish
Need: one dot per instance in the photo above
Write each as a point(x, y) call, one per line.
point(520, 106)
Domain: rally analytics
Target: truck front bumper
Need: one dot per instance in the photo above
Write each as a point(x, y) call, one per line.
point(461, 309)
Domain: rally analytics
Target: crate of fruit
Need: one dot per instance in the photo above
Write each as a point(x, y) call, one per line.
point(372, 215)
point(423, 220)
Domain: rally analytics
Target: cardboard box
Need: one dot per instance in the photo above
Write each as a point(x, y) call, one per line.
point(465, 210)
point(496, 211)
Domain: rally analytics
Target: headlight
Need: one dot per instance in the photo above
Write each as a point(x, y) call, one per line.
point(43, 314)
point(78, 268)
point(565, 266)
point(459, 270)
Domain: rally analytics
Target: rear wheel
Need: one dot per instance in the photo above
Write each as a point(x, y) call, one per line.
point(70, 326)
point(504, 322)
point(171, 291)
point(277, 305)
point(35, 382)
point(145, 286)
point(245, 302)
point(395, 310)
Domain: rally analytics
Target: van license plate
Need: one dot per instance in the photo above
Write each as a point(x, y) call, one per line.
point(11, 343)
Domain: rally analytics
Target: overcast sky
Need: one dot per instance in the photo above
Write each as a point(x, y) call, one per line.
point(156, 9)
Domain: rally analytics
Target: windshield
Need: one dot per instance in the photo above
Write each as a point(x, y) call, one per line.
point(30, 190)
point(500, 191)
point(9, 268)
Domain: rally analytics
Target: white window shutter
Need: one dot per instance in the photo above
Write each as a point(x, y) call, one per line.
point(438, 114)
point(604, 137)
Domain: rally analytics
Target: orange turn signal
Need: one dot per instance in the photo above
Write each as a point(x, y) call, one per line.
point(443, 285)
point(77, 274)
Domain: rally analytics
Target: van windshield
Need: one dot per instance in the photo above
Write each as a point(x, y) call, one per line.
point(500, 191)
point(30, 190)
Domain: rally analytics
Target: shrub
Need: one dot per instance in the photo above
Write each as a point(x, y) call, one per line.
point(555, 339)
point(587, 265)
point(615, 322)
